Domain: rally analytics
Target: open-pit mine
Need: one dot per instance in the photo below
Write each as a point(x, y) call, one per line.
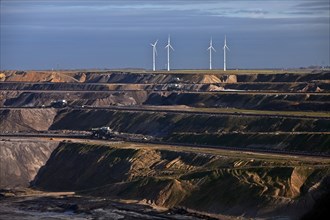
point(164, 145)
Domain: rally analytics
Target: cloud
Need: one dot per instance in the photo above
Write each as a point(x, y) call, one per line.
point(314, 4)
point(313, 8)
point(240, 8)
point(155, 15)
point(63, 27)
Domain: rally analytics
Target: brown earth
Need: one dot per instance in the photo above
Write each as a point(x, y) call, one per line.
point(37, 99)
point(246, 131)
point(20, 160)
point(206, 182)
point(33, 76)
point(300, 87)
point(210, 79)
point(259, 101)
point(129, 77)
point(13, 120)
point(305, 91)
point(231, 183)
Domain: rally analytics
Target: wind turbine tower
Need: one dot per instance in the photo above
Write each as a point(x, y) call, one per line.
point(168, 46)
point(210, 49)
point(224, 55)
point(154, 54)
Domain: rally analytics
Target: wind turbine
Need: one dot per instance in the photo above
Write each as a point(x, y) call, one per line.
point(224, 55)
point(210, 49)
point(168, 46)
point(154, 54)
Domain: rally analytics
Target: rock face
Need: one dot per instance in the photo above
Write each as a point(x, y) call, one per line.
point(20, 161)
point(202, 181)
point(26, 119)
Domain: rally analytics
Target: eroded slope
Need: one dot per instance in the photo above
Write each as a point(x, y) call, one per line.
point(20, 160)
point(212, 182)
point(13, 120)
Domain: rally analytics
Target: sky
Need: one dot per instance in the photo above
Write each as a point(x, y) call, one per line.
point(78, 34)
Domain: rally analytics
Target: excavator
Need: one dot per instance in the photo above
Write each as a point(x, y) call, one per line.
point(102, 133)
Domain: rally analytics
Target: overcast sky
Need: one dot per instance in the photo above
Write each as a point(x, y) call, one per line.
point(117, 34)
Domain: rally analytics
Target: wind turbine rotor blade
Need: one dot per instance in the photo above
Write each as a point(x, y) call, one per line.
point(156, 42)
point(214, 49)
point(171, 47)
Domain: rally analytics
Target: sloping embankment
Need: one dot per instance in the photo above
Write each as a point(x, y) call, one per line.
point(207, 182)
point(13, 120)
point(218, 130)
point(193, 77)
point(280, 102)
point(91, 98)
point(204, 87)
point(20, 161)
point(168, 122)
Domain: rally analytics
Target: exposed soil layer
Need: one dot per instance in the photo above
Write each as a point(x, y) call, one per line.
point(13, 120)
point(244, 131)
point(167, 122)
point(37, 99)
point(217, 130)
point(318, 86)
point(205, 182)
point(20, 160)
point(38, 76)
point(128, 77)
point(306, 143)
point(280, 102)
point(304, 91)
point(264, 111)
